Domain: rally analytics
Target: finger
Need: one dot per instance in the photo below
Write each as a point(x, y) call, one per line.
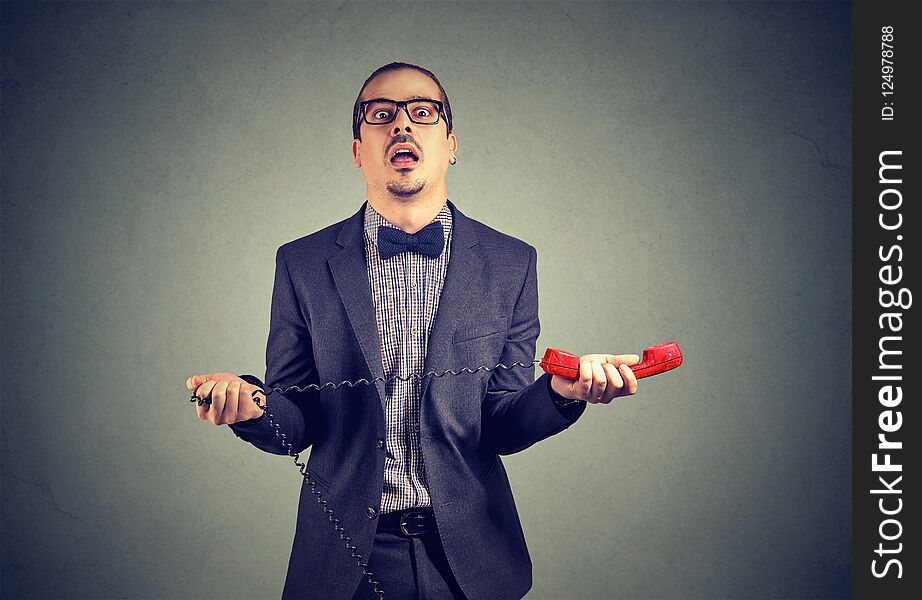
point(616, 382)
point(599, 381)
point(231, 403)
point(630, 380)
point(218, 397)
point(622, 359)
point(584, 385)
point(195, 381)
point(203, 388)
point(198, 380)
point(611, 392)
point(203, 392)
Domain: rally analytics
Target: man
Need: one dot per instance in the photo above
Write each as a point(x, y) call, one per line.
point(407, 285)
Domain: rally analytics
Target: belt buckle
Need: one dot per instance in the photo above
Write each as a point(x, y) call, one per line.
point(418, 517)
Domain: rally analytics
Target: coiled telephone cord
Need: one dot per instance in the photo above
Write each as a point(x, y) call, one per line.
point(302, 467)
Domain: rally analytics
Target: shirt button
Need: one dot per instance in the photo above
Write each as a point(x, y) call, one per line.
point(413, 329)
point(380, 443)
point(372, 512)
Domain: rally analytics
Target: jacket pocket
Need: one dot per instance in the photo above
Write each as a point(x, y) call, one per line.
point(322, 484)
point(466, 332)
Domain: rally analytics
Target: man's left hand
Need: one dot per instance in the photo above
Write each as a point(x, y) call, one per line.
point(602, 378)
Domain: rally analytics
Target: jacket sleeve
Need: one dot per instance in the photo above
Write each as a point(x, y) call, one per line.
point(519, 411)
point(289, 361)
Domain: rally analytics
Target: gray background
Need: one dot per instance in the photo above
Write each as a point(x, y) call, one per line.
point(682, 169)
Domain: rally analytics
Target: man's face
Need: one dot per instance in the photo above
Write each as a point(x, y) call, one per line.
point(433, 149)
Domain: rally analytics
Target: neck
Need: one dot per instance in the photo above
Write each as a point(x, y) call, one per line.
point(410, 214)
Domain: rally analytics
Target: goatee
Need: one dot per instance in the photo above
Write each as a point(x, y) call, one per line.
point(405, 188)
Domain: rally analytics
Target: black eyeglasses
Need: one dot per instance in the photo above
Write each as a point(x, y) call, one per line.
point(380, 111)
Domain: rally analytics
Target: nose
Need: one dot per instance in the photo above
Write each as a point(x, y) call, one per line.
point(402, 120)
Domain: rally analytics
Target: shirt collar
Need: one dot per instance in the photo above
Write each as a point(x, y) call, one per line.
point(373, 219)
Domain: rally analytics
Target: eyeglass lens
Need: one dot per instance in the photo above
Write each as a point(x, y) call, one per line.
point(421, 111)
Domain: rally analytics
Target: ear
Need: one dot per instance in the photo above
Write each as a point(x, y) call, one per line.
point(356, 155)
point(452, 144)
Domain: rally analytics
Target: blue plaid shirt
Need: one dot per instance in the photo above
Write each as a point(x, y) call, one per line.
point(406, 290)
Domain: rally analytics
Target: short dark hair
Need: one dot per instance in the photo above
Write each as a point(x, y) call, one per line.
point(396, 66)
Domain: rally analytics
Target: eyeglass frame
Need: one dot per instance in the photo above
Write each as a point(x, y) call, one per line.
point(364, 118)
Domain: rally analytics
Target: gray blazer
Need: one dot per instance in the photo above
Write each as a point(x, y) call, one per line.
point(323, 329)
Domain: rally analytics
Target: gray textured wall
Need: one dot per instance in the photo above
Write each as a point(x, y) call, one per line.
point(683, 170)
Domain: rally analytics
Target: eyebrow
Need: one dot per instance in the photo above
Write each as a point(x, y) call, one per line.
point(407, 100)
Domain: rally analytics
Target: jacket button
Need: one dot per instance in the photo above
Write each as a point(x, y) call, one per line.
point(372, 512)
point(380, 443)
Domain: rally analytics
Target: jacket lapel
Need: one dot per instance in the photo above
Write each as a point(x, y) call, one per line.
point(350, 272)
point(462, 279)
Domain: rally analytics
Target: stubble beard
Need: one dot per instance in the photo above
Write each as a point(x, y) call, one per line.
point(403, 188)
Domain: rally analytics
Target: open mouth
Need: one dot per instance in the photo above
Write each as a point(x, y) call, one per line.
point(404, 157)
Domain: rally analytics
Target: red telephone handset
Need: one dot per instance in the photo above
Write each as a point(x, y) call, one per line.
point(656, 359)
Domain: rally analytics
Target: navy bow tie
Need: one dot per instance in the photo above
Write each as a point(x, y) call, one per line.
point(428, 240)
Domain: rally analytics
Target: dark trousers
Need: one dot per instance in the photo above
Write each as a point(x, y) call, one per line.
point(409, 568)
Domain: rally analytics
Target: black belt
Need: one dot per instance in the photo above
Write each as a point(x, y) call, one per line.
point(409, 522)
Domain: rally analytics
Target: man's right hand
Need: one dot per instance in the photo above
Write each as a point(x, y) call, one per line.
point(231, 398)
